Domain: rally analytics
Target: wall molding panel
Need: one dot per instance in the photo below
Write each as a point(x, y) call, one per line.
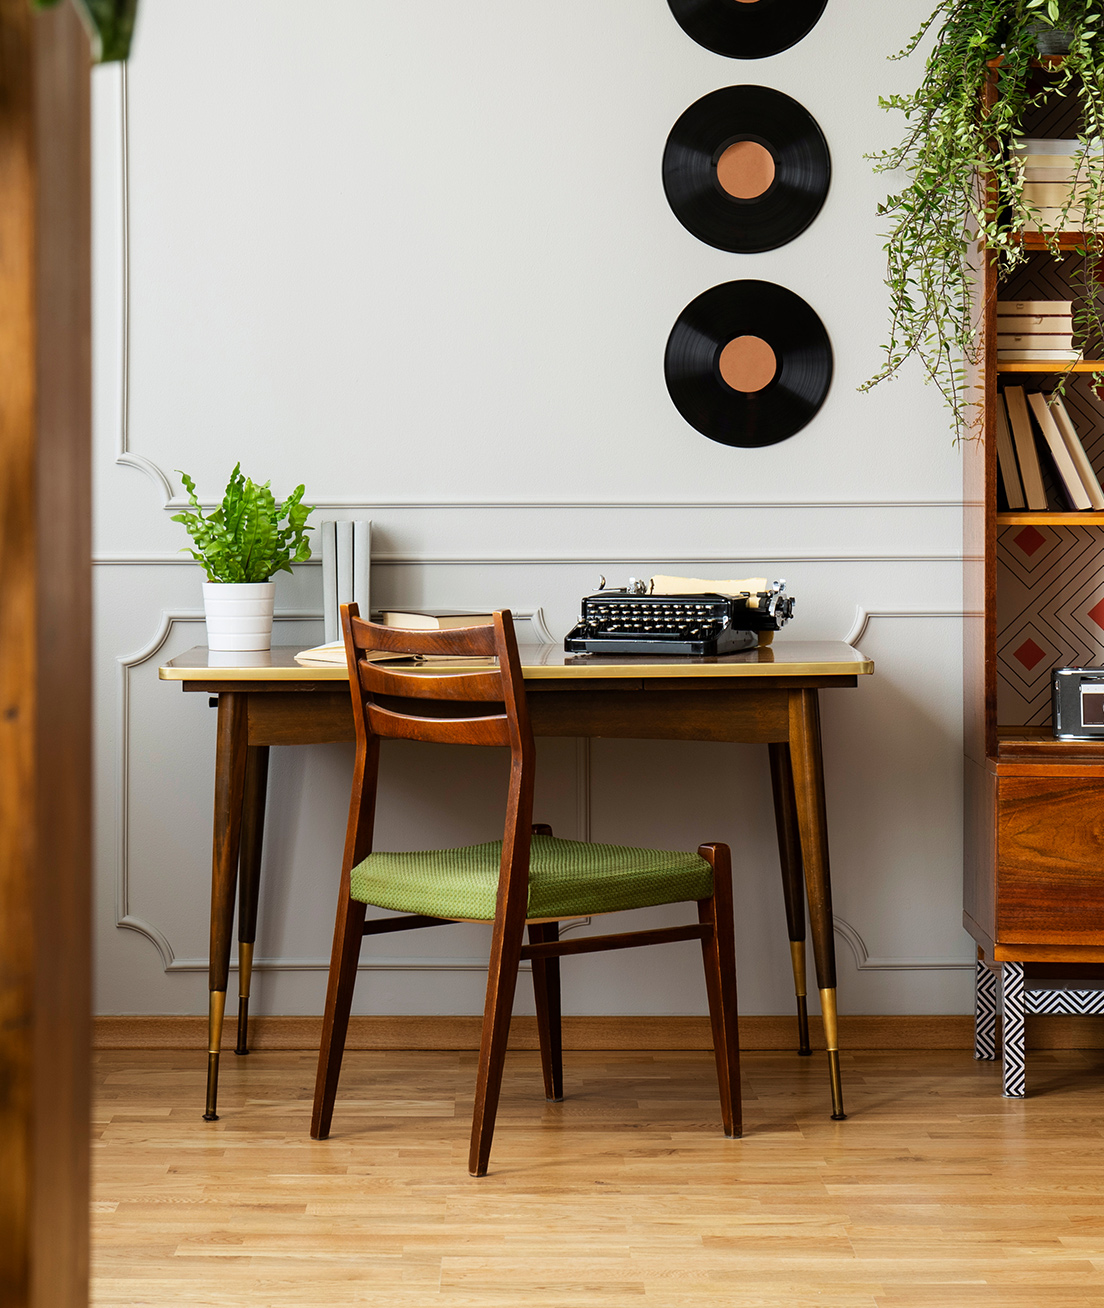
point(125, 664)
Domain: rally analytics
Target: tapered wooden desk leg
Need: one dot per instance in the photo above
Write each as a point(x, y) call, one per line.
point(793, 880)
point(230, 751)
point(812, 819)
point(249, 879)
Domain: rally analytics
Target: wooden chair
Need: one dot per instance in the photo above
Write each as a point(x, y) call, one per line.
point(527, 878)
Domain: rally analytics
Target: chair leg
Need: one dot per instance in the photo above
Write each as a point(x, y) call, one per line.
point(348, 937)
point(501, 983)
point(546, 991)
point(719, 956)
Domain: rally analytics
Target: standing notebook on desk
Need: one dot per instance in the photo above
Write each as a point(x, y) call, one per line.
point(346, 565)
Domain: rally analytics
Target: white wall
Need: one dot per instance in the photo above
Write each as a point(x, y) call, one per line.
point(419, 257)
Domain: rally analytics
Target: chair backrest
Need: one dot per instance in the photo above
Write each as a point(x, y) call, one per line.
point(481, 706)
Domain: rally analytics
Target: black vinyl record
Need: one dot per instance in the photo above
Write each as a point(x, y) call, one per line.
point(747, 29)
point(748, 363)
point(746, 169)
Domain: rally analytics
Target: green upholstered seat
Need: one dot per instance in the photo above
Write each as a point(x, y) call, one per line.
point(567, 878)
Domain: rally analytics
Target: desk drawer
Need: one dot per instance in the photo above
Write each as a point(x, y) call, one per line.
point(1050, 860)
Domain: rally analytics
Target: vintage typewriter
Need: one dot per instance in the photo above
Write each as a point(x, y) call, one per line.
point(639, 620)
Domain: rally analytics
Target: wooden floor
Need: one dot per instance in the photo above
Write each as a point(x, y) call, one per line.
point(937, 1192)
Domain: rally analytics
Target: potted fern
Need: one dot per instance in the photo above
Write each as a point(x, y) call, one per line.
point(241, 545)
point(965, 189)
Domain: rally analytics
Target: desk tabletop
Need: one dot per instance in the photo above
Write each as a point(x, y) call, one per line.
point(785, 658)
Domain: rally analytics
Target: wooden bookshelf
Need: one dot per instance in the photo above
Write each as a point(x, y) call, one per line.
point(1037, 518)
point(1033, 851)
point(1040, 366)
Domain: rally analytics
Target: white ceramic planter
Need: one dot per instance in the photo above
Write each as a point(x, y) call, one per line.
point(239, 614)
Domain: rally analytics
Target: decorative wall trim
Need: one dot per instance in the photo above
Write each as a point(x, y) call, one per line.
point(385, 560)
point(124, 455)
point(573, 505)
point(865, 963)
point(863, 617)
point(125, 663)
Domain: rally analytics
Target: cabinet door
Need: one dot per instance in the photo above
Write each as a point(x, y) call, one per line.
point(1050, 860)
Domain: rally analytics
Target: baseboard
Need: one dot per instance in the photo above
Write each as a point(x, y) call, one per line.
point(589, 1033)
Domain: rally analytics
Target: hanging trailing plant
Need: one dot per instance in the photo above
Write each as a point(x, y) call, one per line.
point(110, 25)
point(966, 180)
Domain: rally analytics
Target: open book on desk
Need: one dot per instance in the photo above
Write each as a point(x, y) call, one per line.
point(334, 654)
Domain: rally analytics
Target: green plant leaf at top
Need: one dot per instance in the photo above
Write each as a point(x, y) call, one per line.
point(110, 25)
point(249, 537)
point(963, 200)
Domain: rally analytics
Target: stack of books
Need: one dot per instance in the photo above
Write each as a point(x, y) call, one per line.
point(1039, 331)
point(1053, 180)
point(1030, 424)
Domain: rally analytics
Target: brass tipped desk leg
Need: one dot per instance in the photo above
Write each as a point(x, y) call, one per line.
point(831, 1041)
point(797, 957)
point(214, 1042)
point(245, 975)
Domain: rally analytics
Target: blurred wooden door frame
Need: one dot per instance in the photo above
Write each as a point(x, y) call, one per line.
point(45, 656)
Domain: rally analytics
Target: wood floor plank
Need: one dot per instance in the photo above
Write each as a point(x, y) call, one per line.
point(936, 1193)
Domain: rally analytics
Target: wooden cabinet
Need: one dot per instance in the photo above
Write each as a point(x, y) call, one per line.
point(1034, 600)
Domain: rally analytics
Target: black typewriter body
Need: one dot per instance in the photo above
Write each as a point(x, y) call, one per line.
point(631, 622)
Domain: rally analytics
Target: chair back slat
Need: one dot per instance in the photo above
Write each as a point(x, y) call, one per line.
point(482, 707)
point(475, 642)
point(446, 731)
point(379, 679)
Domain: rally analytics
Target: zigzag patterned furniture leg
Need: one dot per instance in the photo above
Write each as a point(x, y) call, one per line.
point(985, 1011)
point(1013, 1012)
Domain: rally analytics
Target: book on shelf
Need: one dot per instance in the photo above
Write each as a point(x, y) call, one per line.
point(1054, 195)
point(1085, 469)
point(1068, 475)
point(435, 619)
point(1038, 356)
point(1048, 168)
point(1006, 459)
point(1034, 324)
point(1047, 219)
point(1034, 340)
point(1039, 331)
point(1065, 147)
point(1035, 308)
point(1028, 456)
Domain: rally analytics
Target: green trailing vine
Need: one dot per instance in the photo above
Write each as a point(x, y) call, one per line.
point(249, 537)
point(110, 24)
point(966, 181)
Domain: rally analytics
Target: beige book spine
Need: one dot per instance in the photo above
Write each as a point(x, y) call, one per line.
point(1026, 452)
point(1044, 308)
point(1077, 452)
point(1075, 489)
point(1006, 458)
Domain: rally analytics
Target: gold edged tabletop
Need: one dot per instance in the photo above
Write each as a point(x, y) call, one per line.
point(785, 658)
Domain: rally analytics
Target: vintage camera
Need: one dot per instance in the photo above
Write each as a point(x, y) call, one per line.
point(1079, 703)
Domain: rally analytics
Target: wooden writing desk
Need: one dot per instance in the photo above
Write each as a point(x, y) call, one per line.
point(764, 696)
